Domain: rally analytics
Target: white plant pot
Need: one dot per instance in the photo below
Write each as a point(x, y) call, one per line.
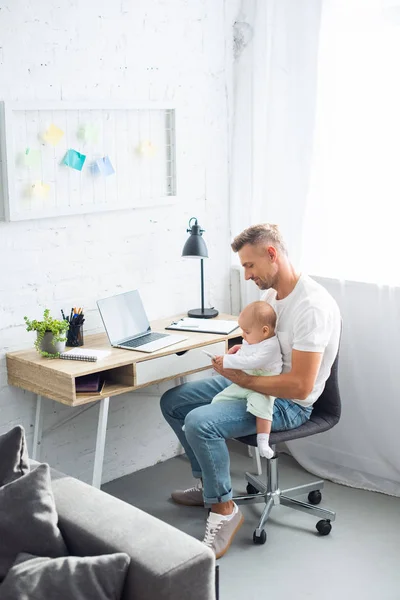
point(49, 345)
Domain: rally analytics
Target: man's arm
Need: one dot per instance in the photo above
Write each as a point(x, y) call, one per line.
point(298, 383)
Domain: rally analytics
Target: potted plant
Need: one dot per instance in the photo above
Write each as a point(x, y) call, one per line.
point(51, 334)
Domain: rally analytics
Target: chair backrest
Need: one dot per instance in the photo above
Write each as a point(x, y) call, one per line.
point(329, 404)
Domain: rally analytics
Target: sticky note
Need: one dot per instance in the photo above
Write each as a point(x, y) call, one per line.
point(53, 135)
point(74, 159)
point(31, 157)
point(147, 148)
point(104, 165)
point(40, 189)
point(88, 133)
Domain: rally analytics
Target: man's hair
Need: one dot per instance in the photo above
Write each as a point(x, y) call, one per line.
point(265, 233)
point(262, 313)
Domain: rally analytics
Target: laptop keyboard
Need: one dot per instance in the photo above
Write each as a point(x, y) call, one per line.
point(144, 339)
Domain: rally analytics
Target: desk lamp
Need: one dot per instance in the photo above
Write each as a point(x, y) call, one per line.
point(195, 247)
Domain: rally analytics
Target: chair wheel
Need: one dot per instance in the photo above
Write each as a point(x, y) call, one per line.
point(260, 539)
point(250, 489)
point(315, 497)
point(324, 527)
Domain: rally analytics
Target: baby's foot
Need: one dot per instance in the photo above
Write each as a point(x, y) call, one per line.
point(264, 448)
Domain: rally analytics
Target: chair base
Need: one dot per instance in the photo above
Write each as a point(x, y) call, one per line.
point(270, 495)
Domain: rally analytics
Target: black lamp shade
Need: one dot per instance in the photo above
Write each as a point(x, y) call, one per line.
point(195, 246)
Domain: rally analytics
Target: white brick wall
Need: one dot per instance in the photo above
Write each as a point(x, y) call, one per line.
point(137, 50)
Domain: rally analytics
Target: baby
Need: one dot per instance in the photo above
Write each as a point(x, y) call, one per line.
point(260, 354)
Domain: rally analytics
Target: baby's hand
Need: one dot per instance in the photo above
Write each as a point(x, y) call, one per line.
point(219, 361)
point(234, 349)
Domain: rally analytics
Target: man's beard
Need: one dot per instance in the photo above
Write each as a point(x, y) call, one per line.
point(265, 284)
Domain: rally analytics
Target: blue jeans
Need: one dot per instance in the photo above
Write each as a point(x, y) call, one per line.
point(207, 426)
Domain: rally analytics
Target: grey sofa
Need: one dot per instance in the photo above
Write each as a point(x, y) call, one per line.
point(165, 564)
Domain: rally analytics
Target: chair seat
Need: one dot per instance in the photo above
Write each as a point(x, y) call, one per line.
point(316, 424)
point(325, 414)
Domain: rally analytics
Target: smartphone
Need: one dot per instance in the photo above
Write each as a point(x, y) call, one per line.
point(209, 354)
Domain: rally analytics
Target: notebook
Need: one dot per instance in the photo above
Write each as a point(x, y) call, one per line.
point(204, 325)
point(93, 382)
point(128, 327)
point(88, 354)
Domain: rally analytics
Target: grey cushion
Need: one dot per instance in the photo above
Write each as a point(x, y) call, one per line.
point(13, 455)
point(69, 578)
point(28, 519)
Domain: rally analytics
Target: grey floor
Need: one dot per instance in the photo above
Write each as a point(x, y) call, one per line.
point(360, 559)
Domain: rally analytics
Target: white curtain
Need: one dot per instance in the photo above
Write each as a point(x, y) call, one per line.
point(362, 450)
point(351, 233)
point(324, 166)
point(276, 44)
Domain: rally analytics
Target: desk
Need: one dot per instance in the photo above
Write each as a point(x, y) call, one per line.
point(124, 371)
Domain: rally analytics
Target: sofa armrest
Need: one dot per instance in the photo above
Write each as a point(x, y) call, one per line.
point(165, 562)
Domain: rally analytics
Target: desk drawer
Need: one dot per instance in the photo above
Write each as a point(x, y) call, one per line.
point(172, 365)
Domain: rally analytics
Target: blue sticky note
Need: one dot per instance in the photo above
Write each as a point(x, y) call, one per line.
point(104, 166)
point(74, 159)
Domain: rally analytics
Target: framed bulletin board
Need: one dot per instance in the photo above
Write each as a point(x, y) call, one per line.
point(62, 159)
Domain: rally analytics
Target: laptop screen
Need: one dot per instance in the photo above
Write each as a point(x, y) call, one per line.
point(123, 316)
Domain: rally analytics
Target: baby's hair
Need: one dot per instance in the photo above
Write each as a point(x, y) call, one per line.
point(262, 313)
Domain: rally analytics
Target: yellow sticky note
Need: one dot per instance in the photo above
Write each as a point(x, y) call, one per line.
point(147, 148)
point(53, 135)
point(40, 189)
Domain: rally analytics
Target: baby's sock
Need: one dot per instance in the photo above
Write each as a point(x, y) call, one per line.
point(263, 445)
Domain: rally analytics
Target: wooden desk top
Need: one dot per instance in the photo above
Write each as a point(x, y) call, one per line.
point(55, 378)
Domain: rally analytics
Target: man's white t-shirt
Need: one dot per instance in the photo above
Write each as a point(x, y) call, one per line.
point(308, 319)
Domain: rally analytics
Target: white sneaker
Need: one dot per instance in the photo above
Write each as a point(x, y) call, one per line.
point(191, 497)
point(220, 531)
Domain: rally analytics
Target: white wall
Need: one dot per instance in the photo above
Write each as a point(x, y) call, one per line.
point(137, 50)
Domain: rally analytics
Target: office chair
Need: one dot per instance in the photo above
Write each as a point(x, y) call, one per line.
point(325, 414)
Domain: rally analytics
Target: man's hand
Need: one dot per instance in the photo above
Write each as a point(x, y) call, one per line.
point(234, 375)
point(234, 349)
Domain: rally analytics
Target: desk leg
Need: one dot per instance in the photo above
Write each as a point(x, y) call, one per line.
point(100, 442)
point(37, 432)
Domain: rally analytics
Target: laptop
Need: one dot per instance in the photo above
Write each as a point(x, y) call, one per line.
point(128, 327)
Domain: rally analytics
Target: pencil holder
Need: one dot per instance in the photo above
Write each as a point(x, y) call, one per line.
point(75, 335)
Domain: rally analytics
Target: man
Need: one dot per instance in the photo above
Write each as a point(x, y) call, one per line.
point(308, 329)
